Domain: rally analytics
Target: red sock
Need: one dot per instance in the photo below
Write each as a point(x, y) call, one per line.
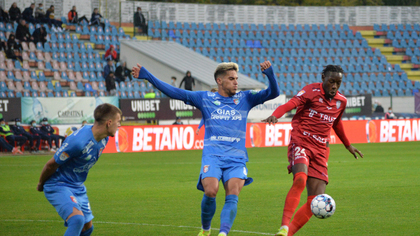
point(293, 197)
point(301, 217)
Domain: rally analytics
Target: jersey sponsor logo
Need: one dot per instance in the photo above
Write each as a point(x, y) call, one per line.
point(245, 172)
point(236, 101)
point(206, 168)
point(64, 156)
point(63, 146)
point(253, 92)
point(217, 103)
point(224, 138)
point(210, 94)
point(88, 147)
point(73, 199)
point(301, 92)
point(226, 113)
point(84, 168)
point(329, 108)
point(338, 104)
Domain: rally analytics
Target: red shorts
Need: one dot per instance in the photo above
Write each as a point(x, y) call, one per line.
point(315, 158)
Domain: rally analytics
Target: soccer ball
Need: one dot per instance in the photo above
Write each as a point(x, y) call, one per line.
point(323, 206)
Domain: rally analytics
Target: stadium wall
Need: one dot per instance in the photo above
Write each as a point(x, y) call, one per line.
point(398, 104)
point(183, 137)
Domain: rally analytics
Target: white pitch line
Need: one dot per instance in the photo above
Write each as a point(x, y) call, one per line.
point(141, 224)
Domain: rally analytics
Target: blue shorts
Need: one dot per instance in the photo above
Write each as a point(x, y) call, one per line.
point(64, 198)
point(222, 168)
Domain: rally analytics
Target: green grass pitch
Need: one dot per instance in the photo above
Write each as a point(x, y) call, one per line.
point(155, 194)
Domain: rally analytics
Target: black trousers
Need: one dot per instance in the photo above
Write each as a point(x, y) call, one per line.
point(20, 140)
point(31, 139)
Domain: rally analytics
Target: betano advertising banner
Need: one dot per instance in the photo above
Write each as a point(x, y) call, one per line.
point(183, 137)
point(69, 110)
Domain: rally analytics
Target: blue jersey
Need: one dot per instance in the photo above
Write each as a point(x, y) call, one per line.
point(78, 153)
point(225, 118)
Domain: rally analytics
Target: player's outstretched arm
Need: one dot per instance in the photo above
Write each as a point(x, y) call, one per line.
point(50, 167)
point(140, 72)
point(279, 112)
point(273, 90)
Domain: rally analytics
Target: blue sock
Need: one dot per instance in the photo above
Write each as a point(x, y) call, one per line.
point(87, 232)
point(75, 225)
point(208, 208)
point(228, 213)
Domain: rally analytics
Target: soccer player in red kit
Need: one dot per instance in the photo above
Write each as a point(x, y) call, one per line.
point(319, 108)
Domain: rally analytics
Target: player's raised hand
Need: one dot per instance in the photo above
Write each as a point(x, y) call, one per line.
point(270, 120)
point(136, 70)
point(353, 151)
point(265, 65)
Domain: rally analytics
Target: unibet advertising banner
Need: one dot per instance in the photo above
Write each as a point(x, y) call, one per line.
point(70, 110)
point(183, 137)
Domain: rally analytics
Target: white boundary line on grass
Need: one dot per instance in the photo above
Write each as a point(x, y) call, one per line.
point(141, 224)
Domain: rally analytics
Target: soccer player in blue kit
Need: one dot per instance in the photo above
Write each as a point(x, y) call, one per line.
point(63, 176)
point(224, 154)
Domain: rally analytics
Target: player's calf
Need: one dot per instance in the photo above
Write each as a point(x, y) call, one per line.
point(293, 197)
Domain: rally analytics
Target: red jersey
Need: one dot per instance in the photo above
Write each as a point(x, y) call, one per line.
point(316, 114)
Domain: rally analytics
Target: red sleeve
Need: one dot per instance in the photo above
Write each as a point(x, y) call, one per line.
point(281, 110)
point(339, 130)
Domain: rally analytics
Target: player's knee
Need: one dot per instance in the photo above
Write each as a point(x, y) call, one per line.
point(211, 192)
point(76, 221)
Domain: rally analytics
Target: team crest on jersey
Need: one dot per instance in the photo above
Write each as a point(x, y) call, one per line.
point(301, 92)
point(217, 103)
point(338, 104)
point(236, 101)
point(64, 156)
point(73, 199)
point(206, 168)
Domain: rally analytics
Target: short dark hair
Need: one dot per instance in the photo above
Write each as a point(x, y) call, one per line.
point(332, 68)
point(173, 77)
point(104, 112)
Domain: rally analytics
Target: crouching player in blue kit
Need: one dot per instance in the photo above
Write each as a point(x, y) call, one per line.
point(224, 155)
point(63, 176)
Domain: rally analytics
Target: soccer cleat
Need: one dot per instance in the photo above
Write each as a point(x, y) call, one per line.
point(53, 150)
point(204, 232)
point(283, 231)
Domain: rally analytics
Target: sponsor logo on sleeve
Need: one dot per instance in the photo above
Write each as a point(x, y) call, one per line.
point(73, 199)
point(64, 156)
point(301, 92)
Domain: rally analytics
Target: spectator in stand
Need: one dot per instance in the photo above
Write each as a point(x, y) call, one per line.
point(110, 84)
point(140, 21)
point(19, 130)
point(40, 35)
point(14, 12)
point(389, 115)
point(22, 32)
point(36, 131)
point(58, 23)
point(111, 54)
point(189, 81)
point(110, 67)
point(40, 14)
point(4, 16)
point(378, 107)
point(173, 83)
point(150, 94)
point(73, 16)
point(178, 121)
point(28, 14)
point(10, 136)
point(96, 18)
point(122, 72)
point(48, 130)
point(12, 45)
